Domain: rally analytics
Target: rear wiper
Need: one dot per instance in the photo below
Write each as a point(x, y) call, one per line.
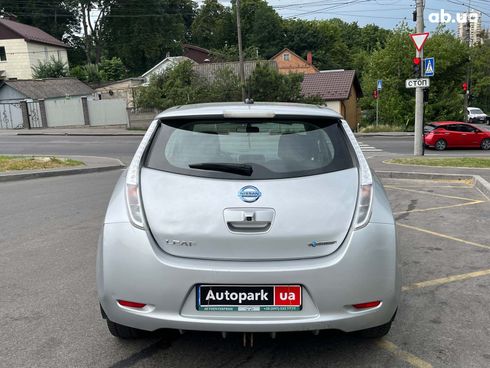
point(239, 169)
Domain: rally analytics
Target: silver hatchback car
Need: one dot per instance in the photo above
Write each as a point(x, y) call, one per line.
point(248, 218)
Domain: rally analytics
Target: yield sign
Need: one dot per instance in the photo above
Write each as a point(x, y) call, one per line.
point(419, 39)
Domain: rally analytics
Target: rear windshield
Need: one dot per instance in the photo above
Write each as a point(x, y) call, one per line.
point(249, 149)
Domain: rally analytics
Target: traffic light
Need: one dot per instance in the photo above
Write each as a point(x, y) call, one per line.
point(375, 94)
point(426, 95)
point(465, 86)
point(417, 64)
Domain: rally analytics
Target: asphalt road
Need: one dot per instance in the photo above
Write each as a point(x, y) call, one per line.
point(49, 314)
point(121, 147)
point(404, 146)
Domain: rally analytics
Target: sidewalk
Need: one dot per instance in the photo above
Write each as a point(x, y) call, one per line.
point(82, 131)
point(377, 164)
point(117, 131)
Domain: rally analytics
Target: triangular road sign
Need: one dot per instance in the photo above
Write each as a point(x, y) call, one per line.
point(419, 39)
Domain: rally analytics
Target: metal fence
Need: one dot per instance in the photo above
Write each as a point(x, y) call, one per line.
point(55, 113)
point(11, 116)
point(34, 112)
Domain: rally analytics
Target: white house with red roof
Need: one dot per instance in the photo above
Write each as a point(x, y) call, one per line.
point(23, 47)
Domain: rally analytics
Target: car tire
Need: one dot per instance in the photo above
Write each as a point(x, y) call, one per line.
point(440, 145)
point(485, 144)
point(374, 332)
point(124, 332)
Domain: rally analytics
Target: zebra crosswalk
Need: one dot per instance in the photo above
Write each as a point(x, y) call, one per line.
point(367, 148)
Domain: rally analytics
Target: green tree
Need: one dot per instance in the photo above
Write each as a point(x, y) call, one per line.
point(393, 64)
point(230, 53)
point(142, 35)
point(226, 86)
point(88, 73)
point(261, 26)
point(446, 99)
point(267, 84)
point(302, 36)
point(58, 18)
point(52, 68)
point(177, 86)
point(480, 86)
point(213, 26)
point(112, 69)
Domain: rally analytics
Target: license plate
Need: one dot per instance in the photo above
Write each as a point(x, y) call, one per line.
point(249, 298)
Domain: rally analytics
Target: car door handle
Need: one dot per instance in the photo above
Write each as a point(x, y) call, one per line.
point(248, 219)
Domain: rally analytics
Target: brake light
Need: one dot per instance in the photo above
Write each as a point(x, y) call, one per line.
point(133, 198)
point(365, 196)
point(127, 303)
point(367, 305)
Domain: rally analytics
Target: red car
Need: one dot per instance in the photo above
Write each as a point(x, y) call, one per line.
point(455, 134)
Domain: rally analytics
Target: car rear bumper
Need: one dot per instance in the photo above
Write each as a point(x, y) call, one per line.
point(131, 267)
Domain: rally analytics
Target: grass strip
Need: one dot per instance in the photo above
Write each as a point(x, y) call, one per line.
point(474, 162)
point(16, 163)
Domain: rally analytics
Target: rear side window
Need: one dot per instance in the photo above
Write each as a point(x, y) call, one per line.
point(249, 149)
point(429, 128)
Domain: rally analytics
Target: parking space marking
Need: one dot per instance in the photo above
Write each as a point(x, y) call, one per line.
point(446, 280)
point(403, 355)
point(443, 236)
point(438, 208)
point(429, 193)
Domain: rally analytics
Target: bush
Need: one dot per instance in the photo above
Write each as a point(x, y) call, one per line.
point(108, 70)
point(112, 69)
point(53, 68)
point(181, 85)
point(381, 128)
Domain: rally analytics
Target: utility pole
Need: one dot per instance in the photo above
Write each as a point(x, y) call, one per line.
point(468, 66)
point(240, 48)
point(419, 91)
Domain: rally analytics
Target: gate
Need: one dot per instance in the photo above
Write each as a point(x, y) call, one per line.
point(35, 120)
point(11, 116)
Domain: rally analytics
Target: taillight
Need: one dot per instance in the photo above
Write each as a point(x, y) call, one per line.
point(133, 195)
point(364, 205)
point(127, 303)
point(367, 305)
point(365, 196)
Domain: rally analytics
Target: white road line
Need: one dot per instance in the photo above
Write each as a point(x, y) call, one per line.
point(367, 148)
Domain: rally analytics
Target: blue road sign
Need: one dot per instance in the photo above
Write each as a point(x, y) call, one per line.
point(429, 67)
point(380, 85)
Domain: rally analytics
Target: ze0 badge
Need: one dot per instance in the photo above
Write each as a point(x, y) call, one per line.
point(249, 298)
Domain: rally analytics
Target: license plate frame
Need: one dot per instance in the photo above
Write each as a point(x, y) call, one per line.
point(249, 298)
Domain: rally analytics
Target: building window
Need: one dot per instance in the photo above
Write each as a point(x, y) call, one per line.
point(45, 53)
point(3, 55)
point(285, 57)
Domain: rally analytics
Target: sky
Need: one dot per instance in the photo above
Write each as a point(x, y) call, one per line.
point(385, 13)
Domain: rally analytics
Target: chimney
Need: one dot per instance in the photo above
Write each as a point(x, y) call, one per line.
point(309, 58)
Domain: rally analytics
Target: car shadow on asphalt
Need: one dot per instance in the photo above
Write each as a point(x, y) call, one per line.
point(210, 349)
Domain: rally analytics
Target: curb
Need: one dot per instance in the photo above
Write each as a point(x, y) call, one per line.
point(62, 172)
point(481, 184)
point(387, 134)
point(86, 134)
